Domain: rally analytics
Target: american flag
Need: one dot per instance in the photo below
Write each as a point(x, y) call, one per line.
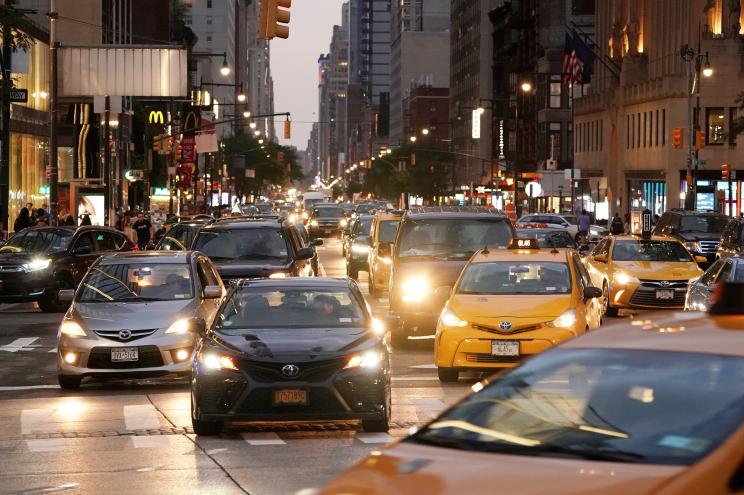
point(578, 61)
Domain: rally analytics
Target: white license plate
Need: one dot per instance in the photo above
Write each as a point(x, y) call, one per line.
point(499, 348)
point(665, 295)
point(124, 354)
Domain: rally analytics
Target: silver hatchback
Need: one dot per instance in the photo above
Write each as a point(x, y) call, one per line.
point(131, 316)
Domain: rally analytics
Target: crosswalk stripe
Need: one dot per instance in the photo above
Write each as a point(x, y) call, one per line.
point(262, 439)
point(374, 437)
point(19, 344)
point(141, 417)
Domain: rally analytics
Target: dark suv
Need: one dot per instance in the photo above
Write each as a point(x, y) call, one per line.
point(431, 248)
point(255, 248)
point(36, 263)
point(326, 219)
point(181, 236)
point(700, 231)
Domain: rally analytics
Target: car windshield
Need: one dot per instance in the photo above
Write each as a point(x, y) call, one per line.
point(243, 244)
point(137, 282)
point(38, 242)
point(290, 308)
point(638, 406)
point(328, 212)
point(708, 224)
point(453, 238)
point(364, 209)
point(388, 228)
point(179, 238)
point(363, 225)
point(549, 238)
point(504, 278)
point(650, 251)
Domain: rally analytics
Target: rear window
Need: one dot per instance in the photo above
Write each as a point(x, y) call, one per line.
point(388, 228)
point(328, 212)
point(451, 238)
point(242, 244)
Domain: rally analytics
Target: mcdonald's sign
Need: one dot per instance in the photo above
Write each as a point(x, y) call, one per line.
point(156, 117)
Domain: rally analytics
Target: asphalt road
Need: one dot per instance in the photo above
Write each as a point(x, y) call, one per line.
point(135, 436)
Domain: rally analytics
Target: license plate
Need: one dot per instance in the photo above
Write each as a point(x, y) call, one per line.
point(664, 294)
point(499, 348)
point(124, 354)
point(290, 397)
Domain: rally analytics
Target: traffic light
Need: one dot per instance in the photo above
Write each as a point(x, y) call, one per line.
point(274, 19)
point(699, 140)
point(725, 172)
point(157, 144)
point(678, 138)
point(413, 159)
point(287, 129)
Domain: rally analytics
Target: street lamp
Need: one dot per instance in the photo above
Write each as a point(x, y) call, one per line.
point(252, 125)
point(707, 69)
point(526, 87)
point(413, 139)
point(257, 132)
point(247, 114)
point(425, 131)
point(241, 95)
point(225, 70)
point(260, 141)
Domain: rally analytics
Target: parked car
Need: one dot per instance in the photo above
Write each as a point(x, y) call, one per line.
point(132, 315)
point(36, 263)
point(701, 291)
point(699, 231)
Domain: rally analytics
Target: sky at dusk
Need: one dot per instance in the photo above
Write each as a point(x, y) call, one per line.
point(294, 64)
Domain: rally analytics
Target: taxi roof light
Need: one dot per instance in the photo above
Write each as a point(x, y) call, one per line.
point(530, 243)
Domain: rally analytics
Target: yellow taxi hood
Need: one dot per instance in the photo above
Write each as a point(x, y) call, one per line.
point(655, 270)
point(512, 306)
point(406, 469)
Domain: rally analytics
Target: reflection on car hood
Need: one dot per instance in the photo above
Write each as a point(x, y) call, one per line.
point(699, 236)
point(491, 309)
point(250, 268)
point(660, 270)
point(298, 344)
point(133, 315)
point(407, 468)
point(11, 259)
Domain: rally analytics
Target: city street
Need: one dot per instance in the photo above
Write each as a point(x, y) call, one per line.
point(136, 437)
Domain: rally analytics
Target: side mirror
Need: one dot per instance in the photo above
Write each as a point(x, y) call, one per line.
point(600, 258)
point(592, 293)
point(442, 292)
point(701, 259)
point(66, 295)
point(198, 326)
point(305, 253)
point(212, 292)
point(316, 242)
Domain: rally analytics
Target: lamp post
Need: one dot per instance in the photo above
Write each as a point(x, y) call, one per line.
point(697, 64)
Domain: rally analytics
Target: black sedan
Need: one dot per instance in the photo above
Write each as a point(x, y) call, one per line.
point(291, 349)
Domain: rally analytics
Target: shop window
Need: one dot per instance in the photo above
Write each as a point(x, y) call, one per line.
point(715, 120)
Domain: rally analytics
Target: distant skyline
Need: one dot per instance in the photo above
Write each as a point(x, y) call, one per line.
point(294, 65)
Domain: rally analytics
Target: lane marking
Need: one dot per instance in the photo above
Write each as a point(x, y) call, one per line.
point(27, 387)
point(262, 439)
point(374, 437)
point(414, 378)
point(215, 451)
point(54, 350)
point(33, 420)
point(19, 344)
point(424, 366)
point(141, 417)
point(383, 300)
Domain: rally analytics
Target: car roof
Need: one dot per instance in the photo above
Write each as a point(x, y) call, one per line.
point(382, 216)
point(320, 282)
point(655, 237)
point(164, 257)
point(244, 223)
point(527, 230)
point(443, 212)
point(677, 331)
point(695, 213)
point(542, 254)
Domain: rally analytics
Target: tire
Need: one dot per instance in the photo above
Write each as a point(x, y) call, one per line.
point(448, 375)
point(382, 424)
point(51, 303)
point(608, 309)
point(69, 382)
point(353, 273)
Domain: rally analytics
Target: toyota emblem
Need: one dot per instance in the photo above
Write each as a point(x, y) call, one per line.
point(505, 326)
point(125, 334)
point(290, 370)
point(665, 283)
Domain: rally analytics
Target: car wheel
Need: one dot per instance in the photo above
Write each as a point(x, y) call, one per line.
point(371, 283)
point(51, 303)
point(448, 375)
point(203, 427)
point(376, 425)
point(353, 273)
point(399, 338)
point(608, 310)
point(69, 382)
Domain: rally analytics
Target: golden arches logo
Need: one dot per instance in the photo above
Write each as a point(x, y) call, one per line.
point(156, 117)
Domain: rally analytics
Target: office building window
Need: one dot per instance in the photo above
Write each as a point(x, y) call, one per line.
point(627, 132)
point(632, 130)
point(645, 122)
point(638, 131)
point(582, 7)
point(209, 4)
point(715, 120)
point(209, 37)
point(556, 89)
point(209, 21)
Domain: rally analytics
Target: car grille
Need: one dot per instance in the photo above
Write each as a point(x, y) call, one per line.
point(664, 284)
point(309, 372)
point(149, 357)
point(488, 358)
point(709, 247)
point(320, 400)
point(135, 334)
point(510, 332)
point(645, 295)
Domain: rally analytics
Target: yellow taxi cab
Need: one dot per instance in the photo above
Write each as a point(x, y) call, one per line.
point(640, 272)
point(649, 406)
point(513, 303)
point(382, 236)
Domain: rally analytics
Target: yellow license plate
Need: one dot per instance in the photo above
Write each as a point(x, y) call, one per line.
point(290, 397)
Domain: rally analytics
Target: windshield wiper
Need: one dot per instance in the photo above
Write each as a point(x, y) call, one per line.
point(261, 257)
point(141, 299)
point(611, 455)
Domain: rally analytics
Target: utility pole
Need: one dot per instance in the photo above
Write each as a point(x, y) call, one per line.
point(53, 164)
point(5, 134)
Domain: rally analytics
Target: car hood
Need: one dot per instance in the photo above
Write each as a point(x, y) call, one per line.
point(131, 315)
point(296, 344)
point(13, 259)
point(250, 268)
point(436, 273)
point(493, 309)
point(654, 270)
point(407, 468)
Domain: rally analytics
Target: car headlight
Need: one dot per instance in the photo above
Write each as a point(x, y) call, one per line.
point(278, 275)
point(377, 326)
point(36, 265)
point(71, 328)
point(180, 326)
point(313, 223)
point(369, 359)
point(693, 246)
point(386, 260)
point(414, 290)
point(357, 248)
point(448, 318)
point(217, 361)
point(343, 222)
point(566, 320)
point(622, 278)
point(292, 218)
point(305, 215)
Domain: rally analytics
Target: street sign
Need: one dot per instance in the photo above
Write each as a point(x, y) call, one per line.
point(533, 189)
point(188, 148)
point(18, 95)
point(476, 124)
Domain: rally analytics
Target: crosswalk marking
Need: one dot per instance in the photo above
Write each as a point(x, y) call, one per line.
point(374, 438)
point(19, 344)
point(141, 417)
point(262, 439)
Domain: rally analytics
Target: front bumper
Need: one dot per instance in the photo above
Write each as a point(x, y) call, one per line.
point(325, 229)
point(644, 296)
point(156, 356)
point(248, 394)
point(26, 287)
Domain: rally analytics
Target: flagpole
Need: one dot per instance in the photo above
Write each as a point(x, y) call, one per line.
point(573, 141)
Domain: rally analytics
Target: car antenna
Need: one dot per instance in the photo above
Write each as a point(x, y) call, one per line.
point(485, 250)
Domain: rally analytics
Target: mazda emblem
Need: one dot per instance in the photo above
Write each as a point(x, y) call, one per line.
point(505, 326)
point(290, 370)
point(125, 334)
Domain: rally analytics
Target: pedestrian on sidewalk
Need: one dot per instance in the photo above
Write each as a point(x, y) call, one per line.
point(23, 221)
point(144, 231)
